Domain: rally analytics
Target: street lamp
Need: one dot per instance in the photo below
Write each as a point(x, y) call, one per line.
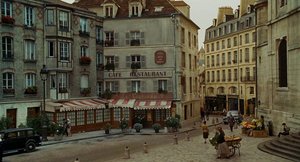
point(44, 75)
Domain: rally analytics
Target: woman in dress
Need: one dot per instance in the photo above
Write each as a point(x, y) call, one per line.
point(205, 131)
point(223, 150)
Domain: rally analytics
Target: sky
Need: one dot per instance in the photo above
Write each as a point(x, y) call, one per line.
point(202, 12)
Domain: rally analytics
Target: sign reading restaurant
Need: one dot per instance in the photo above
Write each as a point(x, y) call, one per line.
point(138, 74)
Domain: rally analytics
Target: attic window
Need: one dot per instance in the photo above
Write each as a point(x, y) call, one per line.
point(109, 11)
point(158, 8)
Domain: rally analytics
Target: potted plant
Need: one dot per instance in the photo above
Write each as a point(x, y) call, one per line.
point(123, 124)
point(107, 127)
point(173, 123)
point(85, 60)
point(138, 127)
point(156, 127)
point(85, 91)
point(31, 90)
point(7, 20)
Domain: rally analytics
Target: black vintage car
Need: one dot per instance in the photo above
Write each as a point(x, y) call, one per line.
point(19, 139)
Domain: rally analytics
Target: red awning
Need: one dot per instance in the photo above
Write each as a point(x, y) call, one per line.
point(152, 104)
point(87, 104)
point(124, 103)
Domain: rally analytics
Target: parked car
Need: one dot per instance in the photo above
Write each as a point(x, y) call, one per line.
point(237, 117)
point(19, 139)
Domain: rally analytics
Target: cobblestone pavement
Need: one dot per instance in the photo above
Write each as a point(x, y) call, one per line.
point(196, 151)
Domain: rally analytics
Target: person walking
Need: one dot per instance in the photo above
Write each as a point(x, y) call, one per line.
point(222, 149)
point(205, 131)
point(65, 124)
point(231, 122)
point(69, 127)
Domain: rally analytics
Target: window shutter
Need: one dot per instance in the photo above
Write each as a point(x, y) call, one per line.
point(143, 61)
point(143, 86)
point(116, 86)
point(127, 38)
point(128, 63)
point(116, 39)
point(128, 86)
point(155, 85)
point(116, 61)
point(142, 41)
point(169, 82)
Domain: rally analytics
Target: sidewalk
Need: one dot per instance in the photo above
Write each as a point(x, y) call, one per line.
point(114, 132)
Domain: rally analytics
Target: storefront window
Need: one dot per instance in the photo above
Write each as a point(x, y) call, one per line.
point(90, 117)
point(80, 117)
point(106, 114)
point(71, 117)
point(117, 114)
point(99, 116)
point(126, 113)
point(157, 115)
point(60, 117)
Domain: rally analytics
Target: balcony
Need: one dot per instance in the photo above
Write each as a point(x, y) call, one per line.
point(9, 91)
point(135, 65)
point(110, 66)
point(63, 90)
point(8, 58)
point(31, 90)
point(30, 60)
point(85, 60)
point(109, 43)
point(247, 79)
point(8, 20)
point(64, 28)
point(85, 91)
point(84, 33)
point(135, 42)
point(99, 42)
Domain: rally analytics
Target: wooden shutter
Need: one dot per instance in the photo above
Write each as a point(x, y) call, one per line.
point(128, 84)
point(116, 62)
point(143, 61)
point(116, 37)
point(143, 86)
point(116, 86)
point(128, 62)
point(127, 38)
point(155, 85)
point(142, 41)
point(169, 84)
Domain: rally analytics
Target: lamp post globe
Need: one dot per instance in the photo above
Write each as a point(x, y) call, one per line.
point(44, 76)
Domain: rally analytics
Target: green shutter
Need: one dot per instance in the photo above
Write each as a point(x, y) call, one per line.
point(143, 61)
point(128, 62)
point(127, 38)
point(169, 82)
point(116, 62)
point(116, 39)
point(155, 85)
point(128, 86)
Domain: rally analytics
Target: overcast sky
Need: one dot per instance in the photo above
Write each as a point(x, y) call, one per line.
point(203, 11)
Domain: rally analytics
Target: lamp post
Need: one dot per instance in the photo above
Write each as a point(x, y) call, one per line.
point(44, 75)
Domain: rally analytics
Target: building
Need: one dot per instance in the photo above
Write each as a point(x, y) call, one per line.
point(230, 60)
point(66, 39)
point(277, 68)
point(150, 59)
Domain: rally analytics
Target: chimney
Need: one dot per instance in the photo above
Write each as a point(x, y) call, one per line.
point(222, 12)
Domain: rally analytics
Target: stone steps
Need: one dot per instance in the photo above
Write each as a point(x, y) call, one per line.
point(287, 147)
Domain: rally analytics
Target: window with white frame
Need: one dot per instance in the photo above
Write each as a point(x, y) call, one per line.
point(51, 48)
point(99, 115)
point(71, 117)
point(109, 38)
point(126, 113)
point(50, 17)
point(99, 58)
point(6, 8)
point(134, 9)
point(162, 85)
point(84, 81)
point(52, 81)
point(30, 79)
point(8, 80)
point(64, 50)
point(83, 51)
point(99, 34)
point(113, 86)
point(29, 50)
point(29, 16)
point(136, 86)
point(109, 11)
point(63, 21)
point(62, 80)
point(7, 47)
point(106, 115)
point(90, 117)
point(83, 25)
point(80, 118)
point(117, 114)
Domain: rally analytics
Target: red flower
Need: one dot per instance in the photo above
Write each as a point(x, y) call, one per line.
point(7, 20)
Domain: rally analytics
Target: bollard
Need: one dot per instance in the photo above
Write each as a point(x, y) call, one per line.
point(145, 148)
point(217, 120)
point(127, 153)
point(76, 160)
point(213, 121)
point(187, 136)
point(175, 139)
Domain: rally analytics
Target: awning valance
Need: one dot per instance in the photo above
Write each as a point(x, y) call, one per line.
point(87, 104)
point(124, 103)
point(152, 104)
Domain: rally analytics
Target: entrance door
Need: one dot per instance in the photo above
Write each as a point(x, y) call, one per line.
point(12, 115)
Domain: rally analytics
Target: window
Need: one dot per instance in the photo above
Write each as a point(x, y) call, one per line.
point(207, 61)
point(247, 71)
point(90, 117)
point(99, 58)
point(62, 80)
point(229, 75)
point(190, 61)
point(137, 59)
point(29, 50)
point(7, 48)
point(83, 51)
point(106, 115)
point(134, 10)
point(282, 63)
point(228, 43)
point(212, 60)
point(253, 36)
point(135, 38)
point(235, 57)
point(218, 45)
point(126, 113)
point(99, 34)
point(213, 76)
point(223, 44)
point(109, 39)
point(113, 86)
point(52, 81)
point(218, 76)
point(6, 8)
point(8, 80)
point(51, 48)
point(99, 116)
point(253, 54)
point(246, 38)
point(212, 47)
point(251, 90)
point(84, 81)
point(189, 39)
point(234, 41)
point(229, 58)
point(83, 25)
point(223, 58)
point(208, 76)
point(235, 74)
point(64, 51)
point(241, 55)
point(117, 114)
point(247, 53)
point(223, 76)
point(162, 85)
point(135, 86)
point(218, 60)
point(108, 11)
point(80, 118)
point(183, 36)
point(100, 88)
point(63, 21)
point(241, 39)
point(29, 16)
point(50, 17)
point(183, 59)
point(30, 79)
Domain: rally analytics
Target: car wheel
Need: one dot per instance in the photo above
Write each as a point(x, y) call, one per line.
point(30, 146)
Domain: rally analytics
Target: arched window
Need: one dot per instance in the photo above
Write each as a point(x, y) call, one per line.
point(282, 63)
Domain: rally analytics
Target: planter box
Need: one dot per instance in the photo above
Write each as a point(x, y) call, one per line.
point(259, 133)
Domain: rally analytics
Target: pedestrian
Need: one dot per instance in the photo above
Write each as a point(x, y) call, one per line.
point(205, 131)
point(65, 123)
point(69, 127)
point(223, 149)
point(231, 122)
point(224, 112)
point(286, 130)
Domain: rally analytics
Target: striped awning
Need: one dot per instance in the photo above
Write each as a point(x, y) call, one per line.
point(152, 104)
point(124, 103)
point(87, 104)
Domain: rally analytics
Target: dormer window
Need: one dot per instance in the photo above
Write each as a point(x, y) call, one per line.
point(158, 8)
point(109, 11)
point(134, 10)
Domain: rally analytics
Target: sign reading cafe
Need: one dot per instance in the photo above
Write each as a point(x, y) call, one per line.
point(138, 74)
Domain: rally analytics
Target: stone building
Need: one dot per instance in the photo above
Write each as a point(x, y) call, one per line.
point(277, 68)
point(66, 39)
point(230, 60)
point(150, 59)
